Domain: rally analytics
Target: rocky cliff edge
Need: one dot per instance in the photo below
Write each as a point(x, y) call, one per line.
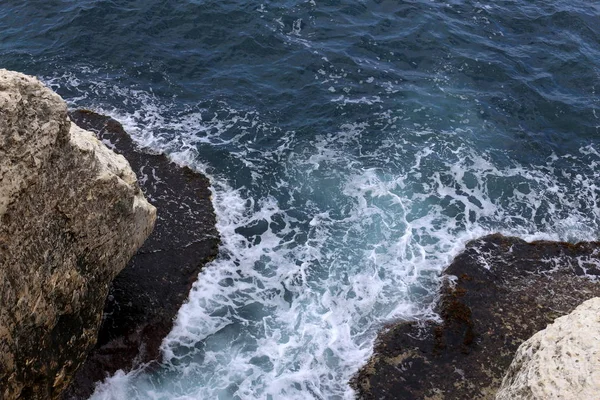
point(71, 216)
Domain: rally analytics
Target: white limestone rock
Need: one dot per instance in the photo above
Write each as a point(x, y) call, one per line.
point(559, 362)
point(71, 216)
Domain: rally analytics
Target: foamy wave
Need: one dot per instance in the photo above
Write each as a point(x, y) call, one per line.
point(327, 238)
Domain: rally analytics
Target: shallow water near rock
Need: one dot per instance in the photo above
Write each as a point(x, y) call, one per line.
point(354, 148)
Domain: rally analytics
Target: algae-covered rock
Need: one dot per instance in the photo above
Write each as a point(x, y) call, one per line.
point(71, 216)
point(496, 294)
point(146, 296)
point(559, 362)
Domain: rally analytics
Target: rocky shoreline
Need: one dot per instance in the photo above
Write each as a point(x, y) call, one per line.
point(93, 275)
point(90, 288)
point(145, 297)
point(496, 294)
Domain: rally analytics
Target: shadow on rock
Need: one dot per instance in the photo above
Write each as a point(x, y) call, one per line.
point(146, 296)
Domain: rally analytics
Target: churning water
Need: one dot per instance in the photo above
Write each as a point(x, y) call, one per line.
point(353, 146)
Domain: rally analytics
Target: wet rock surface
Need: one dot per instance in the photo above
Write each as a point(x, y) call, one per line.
point(146, 296)
point(71, 216)
point(496, 294)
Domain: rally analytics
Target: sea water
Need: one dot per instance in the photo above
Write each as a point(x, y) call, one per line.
point(354, 147)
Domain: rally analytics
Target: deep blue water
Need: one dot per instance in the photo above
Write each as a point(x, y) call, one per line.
point(354, 147)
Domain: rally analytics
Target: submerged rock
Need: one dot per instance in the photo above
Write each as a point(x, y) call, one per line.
point(559, 362)
point(495, 295)
point(71, 216)
point(146, 296)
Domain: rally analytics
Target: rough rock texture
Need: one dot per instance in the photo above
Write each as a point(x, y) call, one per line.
point(503, 291)
point(145, 298)
point(560, 362)
point(71, 216)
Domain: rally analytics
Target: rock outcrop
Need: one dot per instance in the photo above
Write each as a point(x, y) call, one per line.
point(496, 294)
point(559, 362)
point(71, 216)
point(146, 296)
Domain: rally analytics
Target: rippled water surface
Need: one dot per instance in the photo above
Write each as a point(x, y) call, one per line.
point(354, 147)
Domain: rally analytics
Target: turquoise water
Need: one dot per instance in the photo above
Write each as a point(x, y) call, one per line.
point(353, 146)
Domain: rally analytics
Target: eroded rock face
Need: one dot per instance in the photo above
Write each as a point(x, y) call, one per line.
point(496, 294)
point(71, 216)
point(559, 362)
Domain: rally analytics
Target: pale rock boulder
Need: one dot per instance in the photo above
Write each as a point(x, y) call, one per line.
point(561, 362)
point(71, 216)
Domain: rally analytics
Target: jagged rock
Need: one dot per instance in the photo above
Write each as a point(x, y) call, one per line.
point(71, 216)
point(146, 296)
point(559, 362)
point(495, 295)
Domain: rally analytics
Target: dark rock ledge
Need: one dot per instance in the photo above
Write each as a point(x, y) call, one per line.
point(504, 290)
point(145, 297)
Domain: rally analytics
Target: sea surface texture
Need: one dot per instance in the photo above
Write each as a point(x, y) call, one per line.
point(353, 146)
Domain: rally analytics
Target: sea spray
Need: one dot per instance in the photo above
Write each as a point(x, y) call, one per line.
point(293, 303)
point(353, 148)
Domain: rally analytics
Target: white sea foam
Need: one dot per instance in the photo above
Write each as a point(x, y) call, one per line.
point(328, 239)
